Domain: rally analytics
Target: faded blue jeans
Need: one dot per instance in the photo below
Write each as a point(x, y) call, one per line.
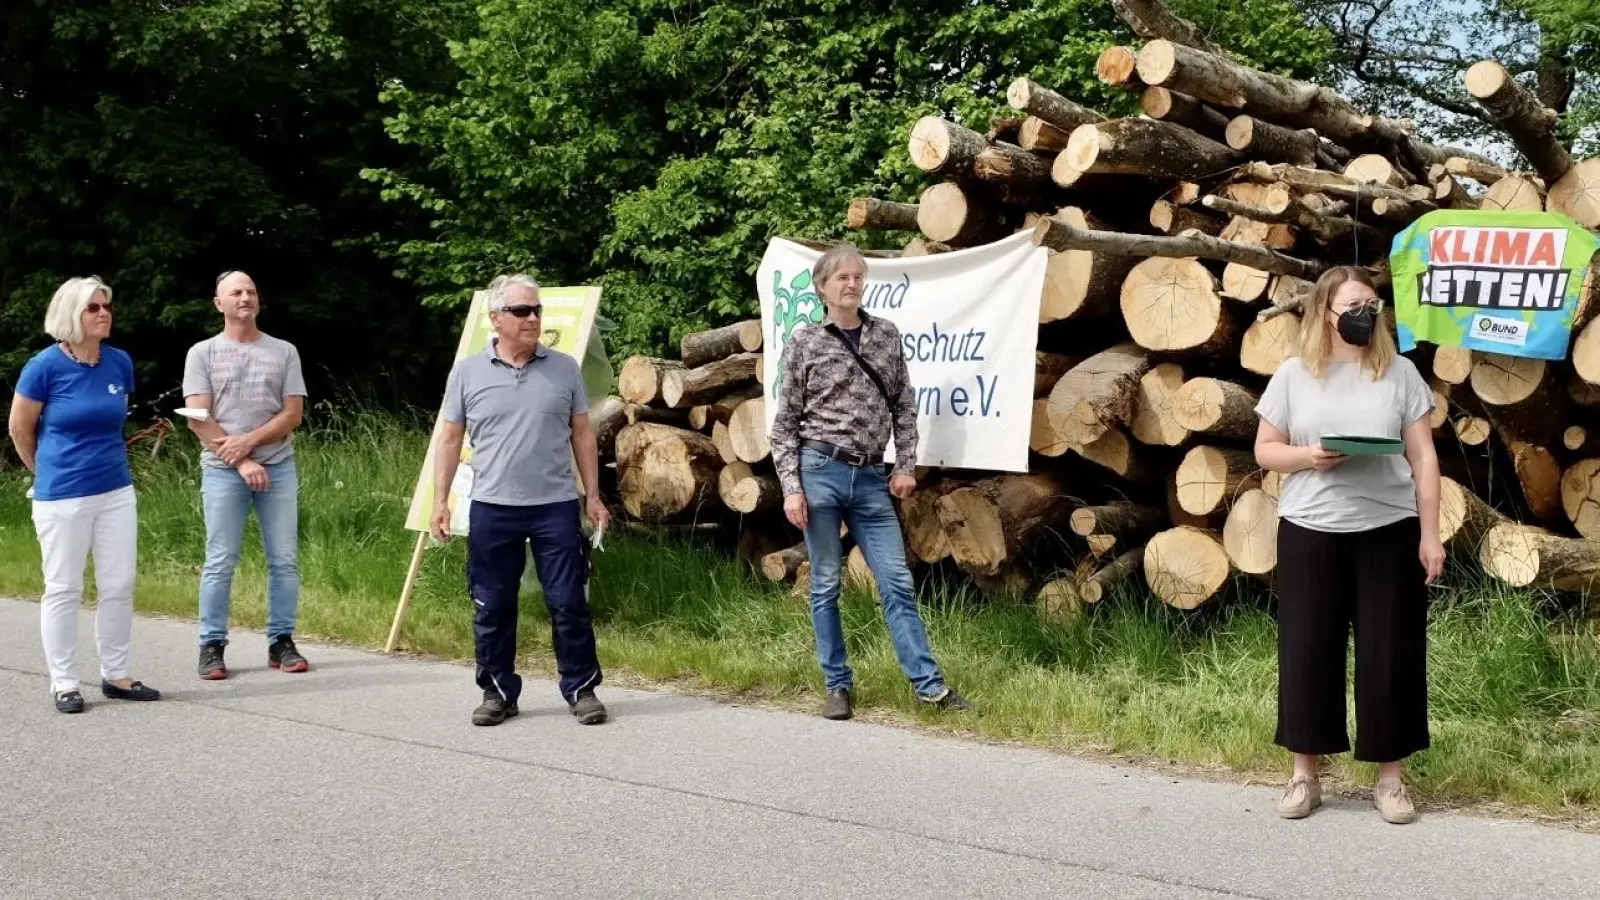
point(227, 503)
point(836, 491)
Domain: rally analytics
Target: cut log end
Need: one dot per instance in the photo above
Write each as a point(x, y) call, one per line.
point(1185, 567)
point(1251, 533)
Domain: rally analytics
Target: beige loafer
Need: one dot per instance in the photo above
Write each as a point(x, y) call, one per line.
point(1393, 803)
point(1303, 795)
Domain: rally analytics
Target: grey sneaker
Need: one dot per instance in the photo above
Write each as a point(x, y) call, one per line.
point(1303, 795)
point(1393, 803)
point(949, 700)
point(589, 709)
point(837, 706)
point(493, 711)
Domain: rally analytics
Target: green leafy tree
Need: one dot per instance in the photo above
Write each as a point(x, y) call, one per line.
point(654, 147)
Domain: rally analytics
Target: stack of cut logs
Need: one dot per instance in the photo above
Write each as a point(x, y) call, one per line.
point(1182, 244)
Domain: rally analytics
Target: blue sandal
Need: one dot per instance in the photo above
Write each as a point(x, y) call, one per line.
point(137, 692)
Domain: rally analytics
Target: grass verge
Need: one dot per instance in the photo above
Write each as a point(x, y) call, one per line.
point(1514, 694)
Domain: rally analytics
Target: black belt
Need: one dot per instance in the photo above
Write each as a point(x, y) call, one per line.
point(842, 454)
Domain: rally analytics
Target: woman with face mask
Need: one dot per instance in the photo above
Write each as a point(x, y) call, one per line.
point(1358, 543)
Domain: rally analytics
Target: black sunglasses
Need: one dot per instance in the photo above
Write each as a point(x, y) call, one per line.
point(95, 307)
point(523, 310)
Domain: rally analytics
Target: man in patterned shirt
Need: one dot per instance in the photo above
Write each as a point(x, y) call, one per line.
point(842, 390)
point(251, 385)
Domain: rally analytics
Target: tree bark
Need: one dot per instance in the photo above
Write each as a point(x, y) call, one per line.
point(1483, 173)
point(941, 147)
point(1155, 421)
point(1185, 567)
point(1148, 147)
point(921, 246)
point(925, 533)
point(1250, 535)
point(690, 387)
point(1097, 394)
point(635, 413)
point(1048, 369)
point(1529, 124)
point(1127, 521)
point(1009, 164)
point(1577, 194)
point(1151, 19)
point(887, 215)
point(1172, 306)
point(1524, 556)
point(1449, 194)
point(1042, 103)
point(1327, 229)
point(1540, 476)
point(1106, 580)
point(745, 491)
point(609, 417)
point(701, 347)
point(1219, 409)
point(1268, 342)
point(747, 431)
point(1228, 84)
point(1058, 235)
point(1114, 451)
point(1210, 479)
point(640, 378)
point(989, 522)
point(1273, 143)
point(1182, 109)
point(670, 475)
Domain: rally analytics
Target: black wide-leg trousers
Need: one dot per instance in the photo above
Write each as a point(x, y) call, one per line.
point(1371, 582)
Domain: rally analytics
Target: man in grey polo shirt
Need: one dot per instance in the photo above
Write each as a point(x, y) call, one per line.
point(528, 413)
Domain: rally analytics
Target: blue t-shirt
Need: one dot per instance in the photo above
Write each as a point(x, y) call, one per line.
point(81, 451)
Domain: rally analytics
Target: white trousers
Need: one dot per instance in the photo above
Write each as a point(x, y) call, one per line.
point(107, 526)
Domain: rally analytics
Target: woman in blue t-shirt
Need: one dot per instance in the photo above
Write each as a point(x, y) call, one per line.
point(66, 422)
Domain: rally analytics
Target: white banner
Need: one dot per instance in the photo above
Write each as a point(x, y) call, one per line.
point(969, 325)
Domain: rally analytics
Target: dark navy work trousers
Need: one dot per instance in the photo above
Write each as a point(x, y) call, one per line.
point(495, 559)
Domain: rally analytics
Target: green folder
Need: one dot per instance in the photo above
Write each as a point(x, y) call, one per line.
point(1363, 445)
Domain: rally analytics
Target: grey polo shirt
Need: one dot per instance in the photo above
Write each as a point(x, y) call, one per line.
point(519, 422)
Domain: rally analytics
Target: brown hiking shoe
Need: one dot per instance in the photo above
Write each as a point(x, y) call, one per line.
point(589, 710)
point(837, 706)
point(1303, 795)
point(1393, 803)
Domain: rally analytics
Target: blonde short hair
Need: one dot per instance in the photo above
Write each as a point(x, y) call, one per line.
point(1316, 335)
point(63, 319)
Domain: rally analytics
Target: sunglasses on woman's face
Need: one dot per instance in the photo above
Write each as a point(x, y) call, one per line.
point(95, 307)
point(523, 310)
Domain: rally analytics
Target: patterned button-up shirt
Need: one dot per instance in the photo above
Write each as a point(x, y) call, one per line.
point(824, 395)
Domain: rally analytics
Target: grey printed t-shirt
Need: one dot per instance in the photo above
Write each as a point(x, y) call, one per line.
point(1365, 492)
point(247, 383)
point(519, 422)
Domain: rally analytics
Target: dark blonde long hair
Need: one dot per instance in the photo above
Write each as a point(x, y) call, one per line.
point(1316, 335)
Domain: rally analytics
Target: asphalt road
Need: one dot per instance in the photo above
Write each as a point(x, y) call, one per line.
point(364, 779)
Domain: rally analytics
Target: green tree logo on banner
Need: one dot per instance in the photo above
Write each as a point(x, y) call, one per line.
point(794, 306)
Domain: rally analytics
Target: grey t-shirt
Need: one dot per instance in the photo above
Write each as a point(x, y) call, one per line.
point(247, 383)
point(1365, 492)
point(519, 424)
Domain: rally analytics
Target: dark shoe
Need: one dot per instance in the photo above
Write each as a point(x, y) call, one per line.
point(493, 711)
point(212, 667)
point(283, 656)
point(137, 692)
point(949, 700)
point(837, 706)
point(589, 709)
point(69, 702)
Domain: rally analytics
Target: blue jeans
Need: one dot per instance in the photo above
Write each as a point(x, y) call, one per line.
point(836, 491)
point(227, 502)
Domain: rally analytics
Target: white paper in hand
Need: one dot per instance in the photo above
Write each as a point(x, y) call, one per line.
point(596, 538)
point(194, 412)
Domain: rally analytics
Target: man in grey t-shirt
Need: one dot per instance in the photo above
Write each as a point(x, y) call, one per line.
point(252, 387)
point(528, 414)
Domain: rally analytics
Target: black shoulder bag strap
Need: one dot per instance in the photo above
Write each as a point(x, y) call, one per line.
point(865, 366)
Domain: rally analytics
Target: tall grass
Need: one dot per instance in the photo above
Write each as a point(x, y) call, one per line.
point(1514, 686)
